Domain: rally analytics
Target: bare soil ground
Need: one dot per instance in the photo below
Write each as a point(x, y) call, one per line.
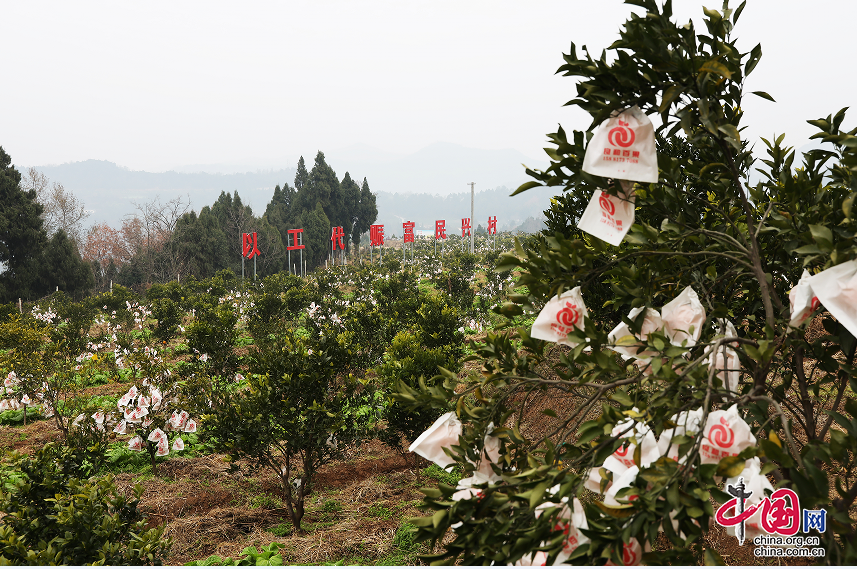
point(208, 511)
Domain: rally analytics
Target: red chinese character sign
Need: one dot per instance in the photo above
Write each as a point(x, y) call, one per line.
point(440, 229)
point(408, 228)
point(408, 237)
point(492, 230)
point(439, 232)
point(295, 239)
point(249, 250)
point(465, 230)
point(376, 235)
point(295, 242)
point(492, 225)
point(465, 226)
point(250, 245)
point(336, 238)
point(376, 238)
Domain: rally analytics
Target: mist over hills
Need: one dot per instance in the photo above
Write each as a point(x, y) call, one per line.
point(429, 184)
point(425, 209)
point(440, 168)
point(110, 191)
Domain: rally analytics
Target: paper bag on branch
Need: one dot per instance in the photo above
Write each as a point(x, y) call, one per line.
point(623, 147)
point(687, 423)
point(728, 367)
point(570, 522)
point(802, 300)
point(725, 329)
point(630, 346)
point(641, 435)
point(442, 434)
point(836, 289)
point(726, 434)
point(608, 217)
point(561, 315)
point(490, 453)
point(683, 317)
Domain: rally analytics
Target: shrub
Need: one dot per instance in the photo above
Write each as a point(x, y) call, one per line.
point(169, 315)
point(55, 517)
point(701, 226)
point(291, 419)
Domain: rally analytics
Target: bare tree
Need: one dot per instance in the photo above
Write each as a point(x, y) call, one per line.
point(62, 209)
point(156, 223)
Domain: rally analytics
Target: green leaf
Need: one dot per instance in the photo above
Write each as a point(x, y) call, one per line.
point(714, 66)
point(764, 95)
point(755, 56)
point(808, 250)
point(538, 492)
point(670, 95)
point(713, 558)
point(730, 131)
point(526, 186)
point(622, 398)
point(624, 511)
point(738, 11)
point(821, 234)
point(695, 512)
point(730, 466)
point(438, 517)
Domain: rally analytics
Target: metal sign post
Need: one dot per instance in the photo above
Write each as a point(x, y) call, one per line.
point(295, 242)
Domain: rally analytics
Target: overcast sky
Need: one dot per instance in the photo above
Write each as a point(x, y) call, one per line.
point(157, 85)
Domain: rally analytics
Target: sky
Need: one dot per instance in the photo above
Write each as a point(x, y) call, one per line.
point(161, 85)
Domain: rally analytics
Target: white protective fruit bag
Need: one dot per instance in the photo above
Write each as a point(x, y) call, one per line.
point(623, 147)
point(802, 300)
point(836, 289)
point(687, 423)
point(683, 317)
point(725, 434)
point(629, 346)
point(728, 367)
point(560, 316)
point(608, 217)
point(442, 434)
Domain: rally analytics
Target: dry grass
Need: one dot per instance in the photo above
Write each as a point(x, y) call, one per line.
point(208, 511)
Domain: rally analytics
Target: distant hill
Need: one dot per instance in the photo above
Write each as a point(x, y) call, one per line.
point(109, 190)
point(424, 186)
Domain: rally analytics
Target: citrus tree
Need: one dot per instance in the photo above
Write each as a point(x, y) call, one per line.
point(711, 379)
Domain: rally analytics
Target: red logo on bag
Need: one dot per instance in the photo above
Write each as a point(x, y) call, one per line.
point(606, 204)
point(621, 135)
point(568, 316)
point(622, 450)
point(721, 434)
point(629, 556)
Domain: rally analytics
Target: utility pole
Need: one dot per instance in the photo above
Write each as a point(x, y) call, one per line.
point(472, 219)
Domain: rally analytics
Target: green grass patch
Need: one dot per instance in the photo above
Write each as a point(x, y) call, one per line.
point(450, 478)
point(16, 418)
point(379, 510)
point(266, 501)
point(121, 459)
